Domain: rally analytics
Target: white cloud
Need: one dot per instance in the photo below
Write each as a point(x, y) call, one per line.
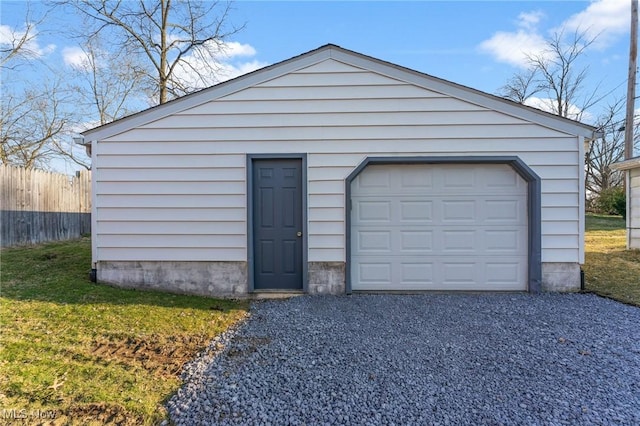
point(548, 105)
point(75, 57)
point(5, 34)
point(31, 48)
point(530, 20)
point(195, 70)
point(514, 47)
point(233, 49)
point(604, 19)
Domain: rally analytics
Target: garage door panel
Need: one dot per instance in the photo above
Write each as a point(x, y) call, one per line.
point(373, 211)
point(504, 212)
point(425, 240)
point(458, 211)
point(404, 209)
point(374, 273)
point(415, 211)
point(498, 179)
point(455, 178)
point(458, 272)
point(456, 241)
point(415, 274)
point(373, 241)
point(503, 240)
point(439, 227)
point(376, 180)
point(416, 179)
point(503, 179)
point(413, 240)
point(504, 272)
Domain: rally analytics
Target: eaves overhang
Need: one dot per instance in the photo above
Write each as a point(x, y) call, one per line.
point(629, 164)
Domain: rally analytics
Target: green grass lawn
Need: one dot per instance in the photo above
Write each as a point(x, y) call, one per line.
point(611, 270)
point(92, 353)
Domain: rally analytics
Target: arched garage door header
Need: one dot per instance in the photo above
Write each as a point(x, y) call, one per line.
point(533, 204)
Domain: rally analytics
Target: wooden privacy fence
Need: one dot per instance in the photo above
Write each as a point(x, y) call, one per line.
point(38, 206)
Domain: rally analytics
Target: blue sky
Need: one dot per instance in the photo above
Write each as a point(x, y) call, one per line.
point(474, 43)
point(465, 42)
point(442, 38)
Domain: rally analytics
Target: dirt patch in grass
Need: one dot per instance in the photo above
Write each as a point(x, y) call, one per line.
point(160, 355)
point(103, 414)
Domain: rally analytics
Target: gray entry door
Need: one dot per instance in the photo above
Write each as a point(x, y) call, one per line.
point(277, 224)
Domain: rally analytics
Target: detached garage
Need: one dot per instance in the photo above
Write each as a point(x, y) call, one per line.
point(335, 172)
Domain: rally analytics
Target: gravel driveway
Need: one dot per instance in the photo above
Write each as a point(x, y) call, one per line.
point(422, 359)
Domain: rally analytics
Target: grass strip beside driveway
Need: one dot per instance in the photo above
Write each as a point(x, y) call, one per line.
point(79, 352)
point(611, 270)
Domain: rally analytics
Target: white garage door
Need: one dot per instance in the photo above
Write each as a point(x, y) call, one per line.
point(439, 227)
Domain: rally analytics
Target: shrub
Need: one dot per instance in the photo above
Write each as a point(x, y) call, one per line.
point(611, 201)
point(620, 205)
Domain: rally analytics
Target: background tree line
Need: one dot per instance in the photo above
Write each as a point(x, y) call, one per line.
point(555, 80)
point(133, 56)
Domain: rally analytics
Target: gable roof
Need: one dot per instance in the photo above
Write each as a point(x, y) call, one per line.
point(331, 51)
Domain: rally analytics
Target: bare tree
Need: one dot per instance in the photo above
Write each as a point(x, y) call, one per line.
point(521, 86)
point(21, 43)
point(557, 76)
point(32, 124)
point(106, 83)
point(34, 118)
point(165, 33)
point(605, 151)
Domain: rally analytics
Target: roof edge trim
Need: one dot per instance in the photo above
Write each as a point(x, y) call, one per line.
point(629, 164)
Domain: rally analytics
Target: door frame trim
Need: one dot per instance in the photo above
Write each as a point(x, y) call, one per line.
point(534, 203)
point(250, 240)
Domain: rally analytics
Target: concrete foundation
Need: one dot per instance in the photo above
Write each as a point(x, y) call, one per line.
point(230, 279)
point(560, 277)
point(213, 279)
point(326, 278)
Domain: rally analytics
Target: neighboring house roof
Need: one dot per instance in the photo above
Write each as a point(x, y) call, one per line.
point(352, 58)
point(629, 164)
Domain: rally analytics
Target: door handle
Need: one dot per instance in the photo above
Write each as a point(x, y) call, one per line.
point(299, 233)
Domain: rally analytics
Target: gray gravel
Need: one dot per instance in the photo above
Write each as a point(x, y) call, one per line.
point(498, 359)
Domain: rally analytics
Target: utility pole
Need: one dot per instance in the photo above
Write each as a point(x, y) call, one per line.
point(629, 121)
point(631, 82)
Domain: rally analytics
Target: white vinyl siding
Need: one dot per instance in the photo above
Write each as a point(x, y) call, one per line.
point(337, 133)
point(634, 208)
point(186, 173)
